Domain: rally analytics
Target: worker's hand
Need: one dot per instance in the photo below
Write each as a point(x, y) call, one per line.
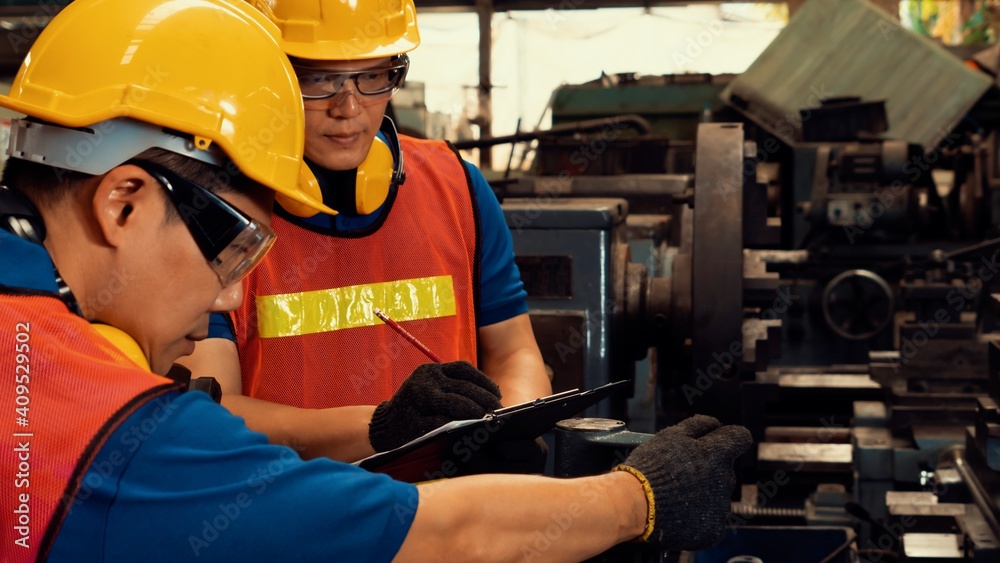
point(689, 468)
point(434, 394)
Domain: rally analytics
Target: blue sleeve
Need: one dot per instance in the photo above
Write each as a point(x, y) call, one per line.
point(502, 294)
point(27, 264)
point(183, 480)
point(219, 327)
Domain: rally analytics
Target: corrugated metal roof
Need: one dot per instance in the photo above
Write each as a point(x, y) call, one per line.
point(851, 48)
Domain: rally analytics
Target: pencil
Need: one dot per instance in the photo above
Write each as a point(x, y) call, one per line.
point(403, 332)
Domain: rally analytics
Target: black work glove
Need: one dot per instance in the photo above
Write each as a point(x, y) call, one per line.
point(689, 469)
point(433, 395)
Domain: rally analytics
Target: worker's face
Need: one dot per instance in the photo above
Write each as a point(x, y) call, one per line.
point(340, 129)
point(165, 286)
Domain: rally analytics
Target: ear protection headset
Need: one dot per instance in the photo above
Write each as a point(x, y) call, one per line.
point(363, 190)
point(21, 218)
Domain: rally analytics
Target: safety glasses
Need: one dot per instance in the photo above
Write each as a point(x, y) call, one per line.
point(230, 240)
point(319, 84)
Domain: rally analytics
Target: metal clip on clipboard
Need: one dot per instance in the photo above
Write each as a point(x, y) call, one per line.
point(426, 456)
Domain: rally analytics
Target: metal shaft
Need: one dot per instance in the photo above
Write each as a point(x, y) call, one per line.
point(956, 456)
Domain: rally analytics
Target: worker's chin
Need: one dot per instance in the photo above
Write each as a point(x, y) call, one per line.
point(161, 361)
point(159, 366)
point(336, 156)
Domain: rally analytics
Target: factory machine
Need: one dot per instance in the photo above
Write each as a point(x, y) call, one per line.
point(809, 249)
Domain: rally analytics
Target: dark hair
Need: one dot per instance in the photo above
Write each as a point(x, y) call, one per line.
point(43, 184)
point(46, 185)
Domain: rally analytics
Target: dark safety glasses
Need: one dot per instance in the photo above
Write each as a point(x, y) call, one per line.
point(231, 241)
point(319, 84)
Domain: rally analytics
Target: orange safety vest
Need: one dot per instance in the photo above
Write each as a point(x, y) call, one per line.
point(67, 390)
point(306, 333)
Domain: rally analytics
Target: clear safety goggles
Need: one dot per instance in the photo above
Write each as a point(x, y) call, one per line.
point(231, 241)
point(376, 84)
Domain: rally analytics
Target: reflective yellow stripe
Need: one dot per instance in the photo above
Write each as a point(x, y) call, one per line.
point(310, 312)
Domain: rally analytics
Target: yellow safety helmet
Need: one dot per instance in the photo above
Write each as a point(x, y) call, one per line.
point(343, 30)
point(208, 69)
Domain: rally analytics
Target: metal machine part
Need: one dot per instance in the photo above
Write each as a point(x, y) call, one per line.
point(841, 60)
point(717, 249)
point(590, 446)
point(858, 304)
point(654, 194)
point(596, 312)
point(860, 193)
point(981, 498)
point(588, 302)
point(832, 309)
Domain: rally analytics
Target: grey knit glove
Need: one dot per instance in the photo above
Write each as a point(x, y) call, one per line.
point(434, 394)
point(688, 470)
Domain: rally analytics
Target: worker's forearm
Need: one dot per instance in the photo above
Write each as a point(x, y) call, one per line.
point(521, 376)
point(509, 355)
point(520, 517)
point(338, 433)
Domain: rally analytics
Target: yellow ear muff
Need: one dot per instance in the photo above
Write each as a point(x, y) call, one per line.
point(307, 185)
point(125, 343)
point(374, 178)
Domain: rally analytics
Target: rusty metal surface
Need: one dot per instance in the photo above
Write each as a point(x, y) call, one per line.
point(917, 547)
point(828, 380)
point(718, 254)
point(950, 509)
point(808, 457)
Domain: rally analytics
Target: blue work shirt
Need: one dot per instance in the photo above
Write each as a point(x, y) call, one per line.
point(182, 479)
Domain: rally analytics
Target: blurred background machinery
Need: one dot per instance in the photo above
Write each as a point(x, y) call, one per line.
point(809, 249)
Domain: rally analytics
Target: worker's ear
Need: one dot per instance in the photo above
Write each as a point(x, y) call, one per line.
point(125, 199)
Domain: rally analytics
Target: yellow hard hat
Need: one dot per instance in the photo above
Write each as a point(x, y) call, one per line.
point(343, 30)
point(208, 69)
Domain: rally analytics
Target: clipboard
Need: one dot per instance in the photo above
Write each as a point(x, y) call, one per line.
point(431, 456)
